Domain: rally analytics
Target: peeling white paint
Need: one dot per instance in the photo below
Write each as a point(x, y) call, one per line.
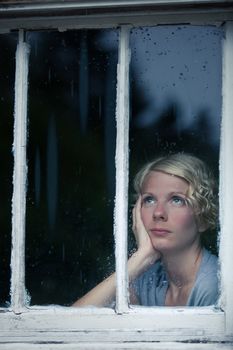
point(139, 325)
point(148, 328)
point(18, 293)
point(121, 201)
point(115, 346)
point(226, 186)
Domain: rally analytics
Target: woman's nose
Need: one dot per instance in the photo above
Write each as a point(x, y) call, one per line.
point(160, 212)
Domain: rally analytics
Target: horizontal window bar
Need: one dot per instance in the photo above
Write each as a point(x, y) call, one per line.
point(29, 5)
point(165, 325)
point(71, 8)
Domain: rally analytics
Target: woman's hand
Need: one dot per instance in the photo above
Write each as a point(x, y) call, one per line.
point(146, 254)
point(141, 235)
point(104, 293)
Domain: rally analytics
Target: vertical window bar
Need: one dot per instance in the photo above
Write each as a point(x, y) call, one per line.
point(121, 202)
point(226, 188)
point(18, 293)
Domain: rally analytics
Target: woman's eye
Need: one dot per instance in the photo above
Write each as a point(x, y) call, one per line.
point(148, 200)
point(179, 201)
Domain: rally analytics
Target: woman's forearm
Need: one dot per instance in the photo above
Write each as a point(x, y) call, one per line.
point(105, 292)
point(139, 262)
point(101, 295)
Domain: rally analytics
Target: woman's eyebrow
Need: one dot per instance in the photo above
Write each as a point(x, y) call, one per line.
point(177, 192)
point(169, 194)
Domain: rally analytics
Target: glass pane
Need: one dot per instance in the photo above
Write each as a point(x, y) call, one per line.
point(71, 146)
point(7, 63)
point(175, 97)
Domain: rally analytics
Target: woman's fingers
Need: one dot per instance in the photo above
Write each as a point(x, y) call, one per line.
point(134, 219)
point(137, 212)
point(142, 237)
point(137, 218)
point(139, 230)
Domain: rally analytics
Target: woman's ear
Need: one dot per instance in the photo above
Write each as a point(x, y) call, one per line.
point(202, 227)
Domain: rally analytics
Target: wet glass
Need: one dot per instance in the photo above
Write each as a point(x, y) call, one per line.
point(175, 96)
point(8, 44)
point(71, 167)
point(175, 104)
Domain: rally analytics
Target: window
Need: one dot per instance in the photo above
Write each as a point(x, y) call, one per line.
point(38, 135)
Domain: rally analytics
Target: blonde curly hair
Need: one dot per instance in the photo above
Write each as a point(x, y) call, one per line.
point(202, 195)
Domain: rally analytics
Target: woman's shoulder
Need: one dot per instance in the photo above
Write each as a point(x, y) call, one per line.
point(209, 263)
point(207, 277)
point(206, 288)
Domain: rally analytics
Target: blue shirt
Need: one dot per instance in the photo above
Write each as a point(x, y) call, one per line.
point(151, 287)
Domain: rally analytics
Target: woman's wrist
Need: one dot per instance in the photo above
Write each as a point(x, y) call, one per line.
point(140, 262)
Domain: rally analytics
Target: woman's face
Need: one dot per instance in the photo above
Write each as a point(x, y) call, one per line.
point(166, 215)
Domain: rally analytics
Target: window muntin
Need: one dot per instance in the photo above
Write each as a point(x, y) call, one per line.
point(71, 150)
point(7, 63)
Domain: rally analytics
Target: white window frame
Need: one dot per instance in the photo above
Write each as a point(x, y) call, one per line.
point(162, 328)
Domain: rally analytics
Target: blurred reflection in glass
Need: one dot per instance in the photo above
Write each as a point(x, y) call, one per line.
point(176, 95)
point(71, 146)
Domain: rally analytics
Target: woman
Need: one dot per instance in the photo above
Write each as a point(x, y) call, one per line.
point(176, 204)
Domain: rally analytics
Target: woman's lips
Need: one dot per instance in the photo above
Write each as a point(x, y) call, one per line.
point(160, 232)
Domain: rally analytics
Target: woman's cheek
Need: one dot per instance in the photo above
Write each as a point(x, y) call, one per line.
point(186, 219)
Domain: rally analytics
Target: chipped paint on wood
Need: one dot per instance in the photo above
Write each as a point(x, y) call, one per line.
point(60, 328)
point(226, 187)
point(19, 177)
point(121, 201)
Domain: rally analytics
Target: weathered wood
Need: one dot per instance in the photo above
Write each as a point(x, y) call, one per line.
point(18, 293)
point(110, 3)
point(226, 188)
point(29, 7)
point(122, 172)
point(99, 325)
point(117, 346)
point(151, 328)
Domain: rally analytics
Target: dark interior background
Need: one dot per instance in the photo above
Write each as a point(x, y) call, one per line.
point(7, 75)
